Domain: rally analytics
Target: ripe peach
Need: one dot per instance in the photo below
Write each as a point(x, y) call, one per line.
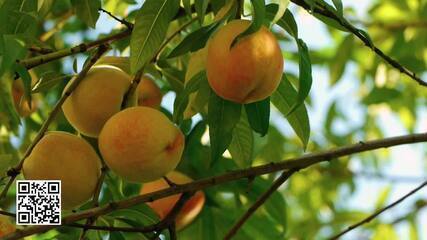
point(98, 97)
point(69, 158)
point(141, 144)
point(149, 93)
point(6, 226)
point(250, 70)
point(163, 206)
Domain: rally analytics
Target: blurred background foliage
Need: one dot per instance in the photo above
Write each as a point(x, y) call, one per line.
point(375, 101)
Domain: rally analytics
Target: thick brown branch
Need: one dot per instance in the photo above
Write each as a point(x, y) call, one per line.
point(295, 163)
point(259, 202)
point(16, 170)
point(319, 9)
point(377, 213)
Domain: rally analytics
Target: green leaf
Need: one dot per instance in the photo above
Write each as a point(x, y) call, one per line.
point(18, 17)
point(330, 22)
point(258, 13)
point(75, 65)
point(49, 80)
point(87, 10)
point(273, 150)
point(339, 7)
point(287, 22)
point(339, 62)
point(242, 143)
point(383, 197)
point(223, 116)
point(381, 95)
point(12, 48)
point(175, 78)
point(151, 25)
point(259, 115)
point(284, 98)
point(8, 115)
point(26, 79)
point(181, 101)
point(187, 6)
point(305, 77)
point(193, 41)
point(282, 6)
point(201, 6)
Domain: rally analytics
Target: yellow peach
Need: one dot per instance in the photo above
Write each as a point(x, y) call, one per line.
point(163, 206)
point(98, 97)
point(141, 144)
point(69, 158)
point(149, 93)
point(248, 71)
point(6, 226)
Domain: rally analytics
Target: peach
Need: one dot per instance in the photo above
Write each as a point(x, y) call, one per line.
point(149, 93)
point(163, 206)
point(141, 144)
point(69, 158)
point(98, 97)
point(248, 71)
point(6, 226)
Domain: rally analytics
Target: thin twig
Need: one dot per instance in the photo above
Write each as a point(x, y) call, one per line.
point(377, 213)
point(302, 162)
point(259, 202)
point(13, 172)
point(95, 199)
point(322, 10)
point(122, 21)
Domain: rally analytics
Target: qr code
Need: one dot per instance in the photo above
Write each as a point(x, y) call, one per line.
point(38, 202)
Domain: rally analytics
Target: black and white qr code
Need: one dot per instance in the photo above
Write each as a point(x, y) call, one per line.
point(38, 202)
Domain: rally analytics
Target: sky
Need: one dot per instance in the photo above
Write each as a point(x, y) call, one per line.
point(405, 160)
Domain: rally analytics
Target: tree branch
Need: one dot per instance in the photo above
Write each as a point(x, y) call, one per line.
point(122, 21)
point(13, 172)
point(39, 60)
point(259, 202)
point(324, 11)
point(377, 213)
point(302, 162)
